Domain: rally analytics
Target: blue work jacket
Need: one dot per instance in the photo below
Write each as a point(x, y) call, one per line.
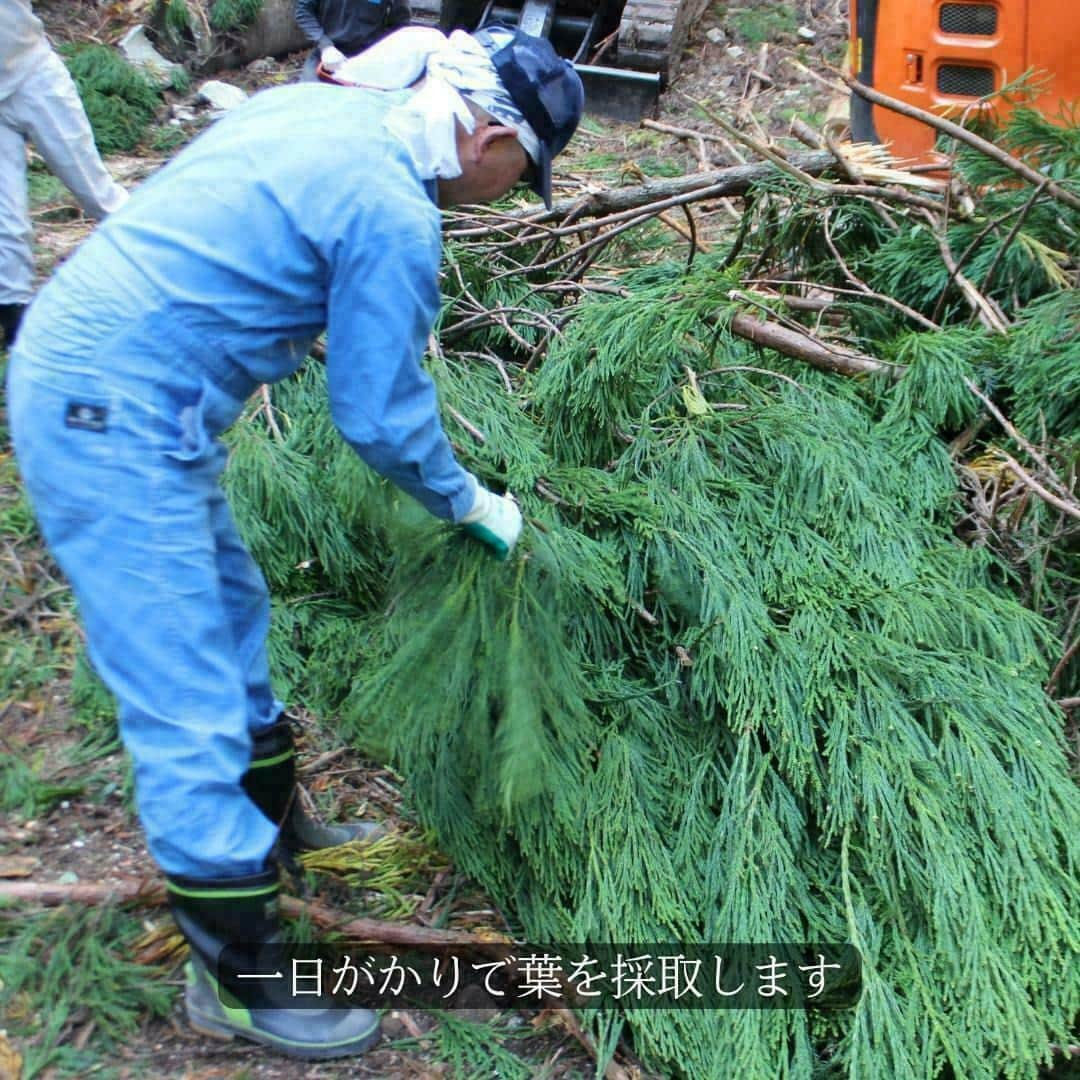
point(295, 212)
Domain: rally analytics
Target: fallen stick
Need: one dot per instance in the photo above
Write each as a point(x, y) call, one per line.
point(319, 763)
point(813, 304)
point(147, 891)
point(986, 310)
point(683, 231)
point(1060, 666)
point(1017, 437)
point(773, 154)
point(151, 892)
point(683, 132)
point(613, 1070)
point(1065, 506)
point(806, 134)
point(377, 929)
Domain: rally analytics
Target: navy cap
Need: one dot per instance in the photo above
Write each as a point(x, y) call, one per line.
point(545, 88)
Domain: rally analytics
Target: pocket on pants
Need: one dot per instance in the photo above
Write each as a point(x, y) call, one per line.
point(194, 440)
point(67, 432)
point(199, 425)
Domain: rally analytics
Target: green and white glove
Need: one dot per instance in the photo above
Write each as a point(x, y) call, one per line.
point(494, 520)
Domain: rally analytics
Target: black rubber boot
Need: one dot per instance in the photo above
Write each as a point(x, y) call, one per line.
point(10, 317)
point(243, 912)
point(271, 785)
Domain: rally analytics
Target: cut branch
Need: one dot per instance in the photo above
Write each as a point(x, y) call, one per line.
point(783, 163)
point(862, 287)
point(390, 933)
point(147, 891)
point(987, 312)
point(733, 180)
point(682, 132)
point(1032, 176)
point(151, 892)
point(267, 408)
point(803, 346)
point(1071, 508)
point(1018, 437)
point(1061, 665)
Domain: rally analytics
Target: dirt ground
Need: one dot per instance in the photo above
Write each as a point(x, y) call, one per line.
point(740, 60)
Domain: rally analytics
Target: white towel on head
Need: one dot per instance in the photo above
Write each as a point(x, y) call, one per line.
point(453, 68)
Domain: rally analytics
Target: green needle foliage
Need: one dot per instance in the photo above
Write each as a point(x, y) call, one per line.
point(1042, 367)
point(25, 792)
point(1015, 245)
point(68, 967)
point(742, 682)
point(1018, 247)
point(234, 14)
point(475, 1051)
point(120, 101)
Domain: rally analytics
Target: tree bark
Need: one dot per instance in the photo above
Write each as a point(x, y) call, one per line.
point(803, 346)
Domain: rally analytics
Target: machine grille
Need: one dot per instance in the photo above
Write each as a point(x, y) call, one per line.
point(961, 80)
point(974, 19)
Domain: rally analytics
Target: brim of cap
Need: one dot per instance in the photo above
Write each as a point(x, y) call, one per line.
point(542, 184)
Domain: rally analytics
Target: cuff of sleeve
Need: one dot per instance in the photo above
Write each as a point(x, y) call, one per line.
point(324, 44)
point(465, 499)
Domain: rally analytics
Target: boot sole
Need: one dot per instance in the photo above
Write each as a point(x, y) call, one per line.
point(215, 1029)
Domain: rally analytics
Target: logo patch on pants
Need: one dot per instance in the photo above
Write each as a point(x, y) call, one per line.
point(86, 417)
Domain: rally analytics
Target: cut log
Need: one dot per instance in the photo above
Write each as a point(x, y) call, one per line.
point(273, 33)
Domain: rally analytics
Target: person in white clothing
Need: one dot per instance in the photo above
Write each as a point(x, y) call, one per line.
point(39, 103)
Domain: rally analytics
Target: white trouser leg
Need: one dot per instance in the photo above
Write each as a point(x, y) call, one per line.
point(16, 254)
point(49, 111)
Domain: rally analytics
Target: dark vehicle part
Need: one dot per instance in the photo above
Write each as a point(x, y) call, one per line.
point(624, 52)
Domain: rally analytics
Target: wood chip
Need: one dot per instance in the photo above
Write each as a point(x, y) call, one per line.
point(17, 866)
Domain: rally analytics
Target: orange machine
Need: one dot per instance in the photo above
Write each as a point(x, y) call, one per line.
point(946, 55)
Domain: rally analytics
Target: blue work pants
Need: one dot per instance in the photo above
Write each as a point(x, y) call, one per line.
point(122, 464)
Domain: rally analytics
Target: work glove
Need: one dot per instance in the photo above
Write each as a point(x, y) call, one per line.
point(332, 58)
point(494, 520)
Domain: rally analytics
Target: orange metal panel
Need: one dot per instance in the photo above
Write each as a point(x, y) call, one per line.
point(1053, 34)
point(917, 61)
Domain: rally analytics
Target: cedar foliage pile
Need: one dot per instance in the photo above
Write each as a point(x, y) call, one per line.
point(761, 670)
point(120, 101)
